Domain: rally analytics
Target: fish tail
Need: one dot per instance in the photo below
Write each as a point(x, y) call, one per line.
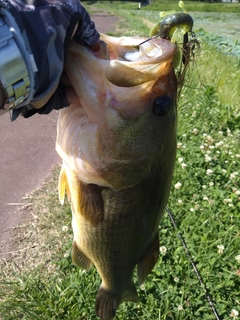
point(107, 301)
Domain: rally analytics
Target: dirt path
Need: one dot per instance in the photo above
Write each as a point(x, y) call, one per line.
point(27, 156)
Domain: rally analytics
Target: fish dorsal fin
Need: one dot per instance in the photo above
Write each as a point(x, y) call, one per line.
point(148, 260)
point(79, 258)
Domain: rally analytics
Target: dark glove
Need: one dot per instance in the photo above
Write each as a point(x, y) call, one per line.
point(47, 27)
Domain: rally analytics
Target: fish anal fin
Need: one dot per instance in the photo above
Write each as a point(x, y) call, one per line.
point(108, 301)
point(79, 258)
point(91, 203)
point(148, 261)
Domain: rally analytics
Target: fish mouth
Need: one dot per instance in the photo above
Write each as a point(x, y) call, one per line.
point(134, 61)
point(139, 50)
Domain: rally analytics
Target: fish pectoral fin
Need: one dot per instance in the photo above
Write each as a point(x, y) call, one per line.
point(148, 261)
point(79, 258)
point(63, 186)
point(91, 203)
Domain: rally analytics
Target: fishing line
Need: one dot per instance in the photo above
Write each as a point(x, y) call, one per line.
point(193, 265)
point(153, 37)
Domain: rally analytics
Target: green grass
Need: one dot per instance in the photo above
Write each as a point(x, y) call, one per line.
point(40, 282)
point(166, 5)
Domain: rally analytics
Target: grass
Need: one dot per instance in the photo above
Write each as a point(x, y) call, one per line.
point(166, 5)
point(40, 282)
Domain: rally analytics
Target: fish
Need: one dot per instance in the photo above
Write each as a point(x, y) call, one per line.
point(118, 147)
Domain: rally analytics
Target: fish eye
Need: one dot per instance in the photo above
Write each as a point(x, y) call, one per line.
point(162, 106)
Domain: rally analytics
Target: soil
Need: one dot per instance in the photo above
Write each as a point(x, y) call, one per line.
point(27, 158)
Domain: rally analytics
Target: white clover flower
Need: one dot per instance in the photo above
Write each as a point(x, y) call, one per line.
point(163, 250)
point(233, 175)
point(237, 192)
point(180, 160)
point(207, 158)
point(209, 172)
point(220, 248)
point(237, 155)
point(195, 131)
point(180, 201)
point(218, 144)
point(202, 147)
point(224, 171)
point(192, 210)
point(220, 133)
point(65, 228)
point(142, 286)
point(179, 145)
point(183, 165)
point(180, 308)
point(203, 186)
point(210, 139)
point(225, 201)
point(66, 254)
point(234, 314)
point(205, 198)
point(211, 184)
point(178, 185)
point(176, 279)
point(237, 258)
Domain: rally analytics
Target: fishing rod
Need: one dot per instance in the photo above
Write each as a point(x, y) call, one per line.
point(193, 264)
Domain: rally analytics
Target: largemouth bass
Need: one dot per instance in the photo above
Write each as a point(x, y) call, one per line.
point(118, 148)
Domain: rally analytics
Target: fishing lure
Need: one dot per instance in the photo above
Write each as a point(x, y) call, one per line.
point(167, 27)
